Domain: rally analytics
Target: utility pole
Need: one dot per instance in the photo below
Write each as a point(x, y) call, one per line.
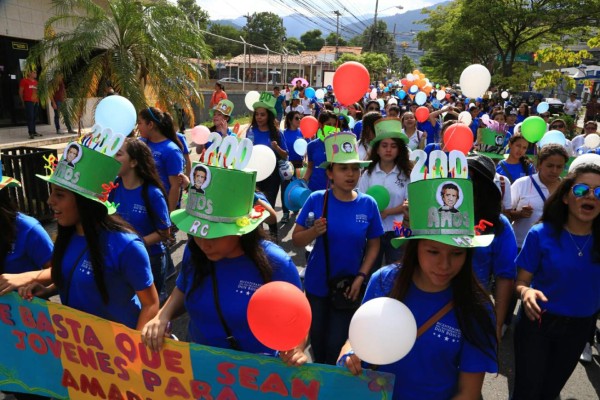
point(337, 34)
point(374, 29)
point(248, 20)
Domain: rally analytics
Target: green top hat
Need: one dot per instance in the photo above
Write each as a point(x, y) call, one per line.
point(220, 203)
point(224, 106)
point(341, 148)
point(7, 181)
point(442, 210)
point(268, 101)
point(86, 172)
point(342, 112)
point(389, 128)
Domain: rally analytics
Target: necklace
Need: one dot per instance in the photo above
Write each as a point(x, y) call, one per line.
point(579, 249)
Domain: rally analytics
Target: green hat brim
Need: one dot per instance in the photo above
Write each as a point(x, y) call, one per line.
point(363, 164)
point(390, 135)
point(260, 104)
point(109, 205)
point(475, 241)
point(185, 221)
point(7, 181)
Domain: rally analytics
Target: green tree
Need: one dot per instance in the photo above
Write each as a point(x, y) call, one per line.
point(194, 12)
point(293, 45)
point(313, 41)
point(404, 65)
point(375, 63)
point(265, 28)
point(223, 47)
point(330, 40)
point(139, 48)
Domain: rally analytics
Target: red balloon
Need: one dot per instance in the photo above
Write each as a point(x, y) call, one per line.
point(279, 315)
point(448, 96)
point(458, 137)
point(350, 81)
point(404, 82)
point(422, 113)
point(309, 126)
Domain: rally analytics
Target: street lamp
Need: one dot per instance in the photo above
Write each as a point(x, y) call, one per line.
point(375, 21)
point(244, 74)
point(267, 74)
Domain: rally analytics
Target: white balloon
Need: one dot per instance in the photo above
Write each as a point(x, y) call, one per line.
point(485, 119)
point(300, 147)
point(589, 158)
point(475, 80)
point(117, 113)
point(351, 122)
point(440, 95)
point(262, 161)
point(517, 128)
point(382, 331)
point(592, 141)
point(251, 98)
point(319, 94)
point(504, 94)
point(410, 77)
point(373, 94)
point(465, 118)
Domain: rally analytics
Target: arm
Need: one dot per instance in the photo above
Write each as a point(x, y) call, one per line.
point(173, 195)
point(503, 295)
point(10, 282)
point(469, 386)
point(371, 252)
point(401, 209)
point(302, 236)
point(150, 304)
point(529, 295)
point(188, 163)
point(309, 170)
point(282, 153)
point(21, 94)
point(352, 361)
point(156, 237)
point(271, 219)
point(154, 331)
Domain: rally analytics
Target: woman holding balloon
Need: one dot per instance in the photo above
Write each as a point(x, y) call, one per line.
point(291, 134)
point(315, 151)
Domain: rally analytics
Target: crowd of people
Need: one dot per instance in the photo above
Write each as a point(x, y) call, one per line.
point(530, 232)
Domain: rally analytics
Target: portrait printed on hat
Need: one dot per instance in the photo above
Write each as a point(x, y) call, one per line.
point(347, 147)
point(72, 154)
point(200, 179)
point(449, 196)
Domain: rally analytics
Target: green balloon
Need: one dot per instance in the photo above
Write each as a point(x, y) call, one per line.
point(381, 196)
point(533, 128)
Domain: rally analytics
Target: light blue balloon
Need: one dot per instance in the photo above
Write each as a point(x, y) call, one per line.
point(310, 93)
point(351, 122)
point(117, 113)
point(381, 104)
point(552, 137)
point(386, 89)
point(436, 104)
point(401, 94)
point(420, 98)
point(543, 107)
point(413, 89)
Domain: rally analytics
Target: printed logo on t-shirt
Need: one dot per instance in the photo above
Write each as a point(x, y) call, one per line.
point(247, 288)
point(139, 208)
point(362, 219)
point(86, 267)
point(401, 182)
point(446, 333)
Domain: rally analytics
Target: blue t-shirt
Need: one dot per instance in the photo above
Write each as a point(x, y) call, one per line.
point(357, 130)
point(350, 225)
point(133, 209)
point(433, 131)
point(514, 171)
point(290, 138)
point(497, 259)
point(279, 104)
point(431, 369)
point(237, 279)
point(168, 158)
point(570, 283)
point(32, 248)
point(474, 126)
point(126, 271)
point(315, 152)
point(181, 137)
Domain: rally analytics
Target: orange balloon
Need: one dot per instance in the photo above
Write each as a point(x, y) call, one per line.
point(421, 75)
point(309, 126)
point(458, 137)
point(422, 113)
point(416, 72)
point(350, 82)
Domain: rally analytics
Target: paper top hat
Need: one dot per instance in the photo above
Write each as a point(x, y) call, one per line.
point(7, 181)
point(389, 128)
point(220, 203)
point(295, 194)
point(295, 95)
point(341, 148)
point(224, 106)
point(84, 171)
point(266, 100)
point(441, 208)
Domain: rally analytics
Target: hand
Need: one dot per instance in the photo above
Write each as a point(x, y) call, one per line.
point(274, 145)
point(383, 214)
point(529, 298)
point(10, 282)
point(184, 180)
point(353, 364)
point(354, 290)
point(154, 332)
point(320, 226)
point(294, 357)
point(35, 289)
point(526, 211)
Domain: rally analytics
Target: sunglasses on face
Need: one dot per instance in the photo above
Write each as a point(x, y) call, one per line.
point(297, 118)
point(591, 128)
point(372, 109)
point(558, 126)
point(582, 190)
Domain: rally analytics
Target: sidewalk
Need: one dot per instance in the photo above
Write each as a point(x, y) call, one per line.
point(18, 137)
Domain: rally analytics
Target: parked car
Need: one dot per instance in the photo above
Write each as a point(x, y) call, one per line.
point(527, 97)
point(230, 80)
point(556, 106)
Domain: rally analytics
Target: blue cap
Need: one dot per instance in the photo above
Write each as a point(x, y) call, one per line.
point(329, 87)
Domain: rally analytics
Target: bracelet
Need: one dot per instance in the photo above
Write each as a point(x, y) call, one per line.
point(359, 273)
point(342, 361)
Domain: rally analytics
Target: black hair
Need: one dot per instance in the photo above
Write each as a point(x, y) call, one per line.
point(164, 123)
point(450, 186)
point(372, 102)
point(368, 127)
point(472, 304)
point(487, 201)
point(273, 130)
point(8, 222)
point(94, 219)
point(556, 212)
point(402, 160)
point(524, 160)
point(289, 117)
point(550, 150)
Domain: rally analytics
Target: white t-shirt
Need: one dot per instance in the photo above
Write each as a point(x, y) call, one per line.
point(363, 152)
point(503, 184)
point(306, 106)
point(298, 108)
point(571, 107)
point(523, 192)
point(415, 139)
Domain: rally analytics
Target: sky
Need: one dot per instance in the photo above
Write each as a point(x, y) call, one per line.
point(231, 9)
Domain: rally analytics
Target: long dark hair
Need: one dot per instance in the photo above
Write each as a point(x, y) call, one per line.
point(94, 219)
point(8, 233)
point(368, 127)
point(273, 130)
point(289, 117)
point(524, 160)
point(472, 303)
point(556, 212)
point(251, 245)
point(145, 169)
point(164, 123)
point(402, 160)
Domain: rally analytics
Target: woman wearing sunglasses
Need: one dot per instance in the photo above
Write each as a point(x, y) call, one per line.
point(558, 281)
point(290, 135)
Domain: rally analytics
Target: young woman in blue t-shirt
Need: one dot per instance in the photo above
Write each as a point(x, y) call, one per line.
point(517, 165)
point(558, 281)
point(142, 202)
point(290, 135)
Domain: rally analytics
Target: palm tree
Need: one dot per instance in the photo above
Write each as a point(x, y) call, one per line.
point(148, 51)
